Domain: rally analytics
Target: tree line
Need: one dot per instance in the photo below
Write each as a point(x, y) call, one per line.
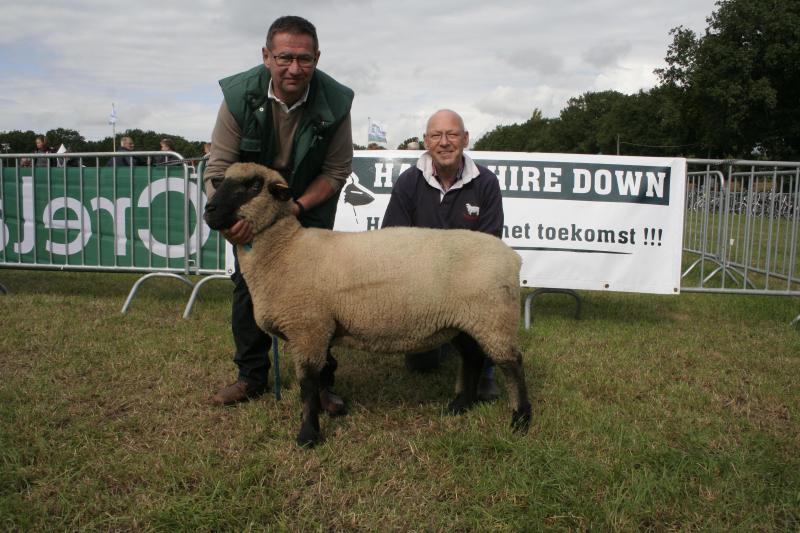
point(25, 141)
point(733, 92)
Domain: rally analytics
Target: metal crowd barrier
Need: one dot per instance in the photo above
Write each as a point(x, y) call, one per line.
point(50, 203)
point(741, 225)
point(742, 228)
point(215, 267)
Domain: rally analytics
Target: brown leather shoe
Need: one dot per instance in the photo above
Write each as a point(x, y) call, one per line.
point(241, 391)
point(331, 403)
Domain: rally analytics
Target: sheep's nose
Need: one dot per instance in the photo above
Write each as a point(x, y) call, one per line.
point(210, 207)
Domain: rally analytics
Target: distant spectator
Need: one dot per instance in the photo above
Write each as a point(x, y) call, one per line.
point(125, 145)
point(42, 148)
point(203, 160)
point(167, 145)
point(413, 145)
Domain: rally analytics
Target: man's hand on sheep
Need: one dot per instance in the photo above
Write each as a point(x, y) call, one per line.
point(240, 233)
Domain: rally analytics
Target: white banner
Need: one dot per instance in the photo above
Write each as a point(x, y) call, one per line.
point(578, 221)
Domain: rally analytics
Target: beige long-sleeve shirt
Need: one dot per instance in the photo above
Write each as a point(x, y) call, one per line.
point(227, 135)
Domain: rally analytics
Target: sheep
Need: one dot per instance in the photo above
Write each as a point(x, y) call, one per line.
point(385, 291)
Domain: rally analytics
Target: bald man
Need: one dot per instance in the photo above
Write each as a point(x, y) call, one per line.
point(446, 189)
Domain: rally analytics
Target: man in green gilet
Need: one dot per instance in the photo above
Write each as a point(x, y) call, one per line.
point(291, 117)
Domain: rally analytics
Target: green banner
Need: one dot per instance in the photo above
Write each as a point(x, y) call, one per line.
point(132, 218)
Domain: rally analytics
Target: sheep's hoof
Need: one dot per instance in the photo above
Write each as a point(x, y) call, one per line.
point(308, 437)
point(459, 405)
point(521, 419)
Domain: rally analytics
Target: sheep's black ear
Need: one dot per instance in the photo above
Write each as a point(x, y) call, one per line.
point(281, 191)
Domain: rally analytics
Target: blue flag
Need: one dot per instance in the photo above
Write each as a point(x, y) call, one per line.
point(376, 134)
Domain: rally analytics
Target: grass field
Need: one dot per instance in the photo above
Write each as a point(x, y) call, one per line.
point(650, 414)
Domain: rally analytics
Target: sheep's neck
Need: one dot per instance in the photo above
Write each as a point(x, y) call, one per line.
point(265, 265)
point(269, 244)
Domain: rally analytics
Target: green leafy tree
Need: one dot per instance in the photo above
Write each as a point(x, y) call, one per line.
point(103, 145)
point(24, 142)
point(71, 139)
point(18, 141)
point(738, 86)
point(530, 136)
point(644, 124)
point(151, 141)
point(580, 125)
point(508, 138)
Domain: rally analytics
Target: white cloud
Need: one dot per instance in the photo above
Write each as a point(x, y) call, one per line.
point(606, 54)
point(540, 62)
point(517, 104)
point(63, 63)
point(627, 78)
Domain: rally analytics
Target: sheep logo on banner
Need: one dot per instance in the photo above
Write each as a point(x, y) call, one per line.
point(356, 194)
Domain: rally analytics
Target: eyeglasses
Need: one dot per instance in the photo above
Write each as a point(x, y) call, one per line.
point(451, 136)
point(303, 60)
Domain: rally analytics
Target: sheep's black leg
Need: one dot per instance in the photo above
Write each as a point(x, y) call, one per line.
point(517, 393)
point(309, 396)
point(472, 357)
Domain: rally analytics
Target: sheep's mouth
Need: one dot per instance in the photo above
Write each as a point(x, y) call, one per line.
point(218, 221)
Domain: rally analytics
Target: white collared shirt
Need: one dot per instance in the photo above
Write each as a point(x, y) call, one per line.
point(284, 107)
point(468, 173)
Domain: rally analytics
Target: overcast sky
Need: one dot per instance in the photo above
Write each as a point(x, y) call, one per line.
point(63, 63)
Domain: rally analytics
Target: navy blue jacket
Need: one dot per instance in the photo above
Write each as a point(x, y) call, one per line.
point(478, 205)
point(123, 161)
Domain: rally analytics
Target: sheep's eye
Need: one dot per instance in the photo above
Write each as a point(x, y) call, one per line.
point(256, 185)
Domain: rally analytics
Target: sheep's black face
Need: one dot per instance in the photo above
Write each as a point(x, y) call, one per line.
point(222, 210)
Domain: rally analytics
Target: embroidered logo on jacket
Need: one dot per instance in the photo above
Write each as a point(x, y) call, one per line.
point(473, 211)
